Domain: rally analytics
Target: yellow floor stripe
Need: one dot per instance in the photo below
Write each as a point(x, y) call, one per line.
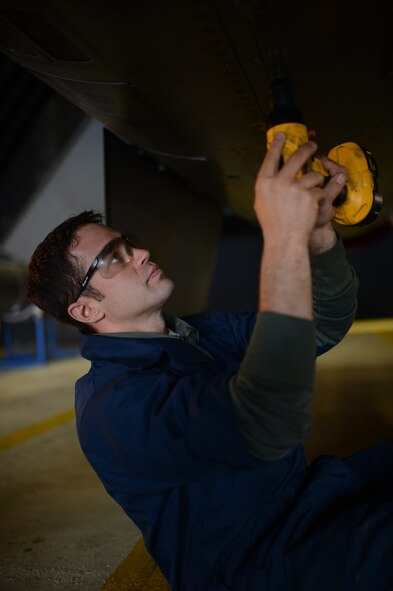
point(137, 572)
point(377, 326)
point(22, 435)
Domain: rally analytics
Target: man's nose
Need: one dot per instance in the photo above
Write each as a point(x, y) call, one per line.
point(141, 256)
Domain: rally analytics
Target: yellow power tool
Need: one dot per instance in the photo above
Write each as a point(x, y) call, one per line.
point(359, 202)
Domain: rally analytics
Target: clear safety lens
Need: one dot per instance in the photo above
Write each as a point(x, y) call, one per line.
point(115, 256)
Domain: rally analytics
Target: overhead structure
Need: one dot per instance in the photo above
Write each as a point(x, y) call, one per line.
point(187, 82)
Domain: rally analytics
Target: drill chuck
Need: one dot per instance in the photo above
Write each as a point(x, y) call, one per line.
point(284, 108)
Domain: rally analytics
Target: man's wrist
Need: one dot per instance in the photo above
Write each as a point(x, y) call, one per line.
point(322, 239)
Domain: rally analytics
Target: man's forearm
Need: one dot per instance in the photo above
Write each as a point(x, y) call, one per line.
point(285, 279)
point(273, 389)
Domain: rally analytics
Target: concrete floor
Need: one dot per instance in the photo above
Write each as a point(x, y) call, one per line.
point(58, 527)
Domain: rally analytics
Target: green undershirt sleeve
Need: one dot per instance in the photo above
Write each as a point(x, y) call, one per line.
point(273, 390)
point(335, 287)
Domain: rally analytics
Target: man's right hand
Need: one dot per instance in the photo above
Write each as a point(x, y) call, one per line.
point(287, 209)
point(287, 206)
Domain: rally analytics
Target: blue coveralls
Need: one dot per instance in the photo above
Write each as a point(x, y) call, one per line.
point(155, 420)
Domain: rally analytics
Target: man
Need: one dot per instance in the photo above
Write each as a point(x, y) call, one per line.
point(195, 427)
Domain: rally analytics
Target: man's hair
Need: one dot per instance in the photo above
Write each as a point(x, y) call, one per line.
point(54, 275)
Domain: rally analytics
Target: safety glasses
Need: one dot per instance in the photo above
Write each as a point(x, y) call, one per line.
point(110, 260)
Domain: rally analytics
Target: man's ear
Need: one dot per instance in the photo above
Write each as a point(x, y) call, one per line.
point(85, 311)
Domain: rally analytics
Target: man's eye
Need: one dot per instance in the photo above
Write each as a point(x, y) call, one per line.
point(114, 258)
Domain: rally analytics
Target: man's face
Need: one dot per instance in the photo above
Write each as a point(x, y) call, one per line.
point(134, 295)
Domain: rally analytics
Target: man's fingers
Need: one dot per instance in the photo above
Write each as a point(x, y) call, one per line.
point(298, 159)
point(272, 159)
point(312, 179)
point(271, 164)
point(332, 167)
point(334, 186)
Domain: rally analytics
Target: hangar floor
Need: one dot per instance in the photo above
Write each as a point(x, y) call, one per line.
point(58, 528)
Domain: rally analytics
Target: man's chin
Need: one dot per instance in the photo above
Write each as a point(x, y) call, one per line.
point(171, 286)
point(168, 287)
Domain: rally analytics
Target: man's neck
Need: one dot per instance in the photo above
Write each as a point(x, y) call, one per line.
point(153, 324)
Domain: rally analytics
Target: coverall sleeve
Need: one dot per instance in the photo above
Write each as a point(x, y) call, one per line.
point(272, 392)
point(335, 287)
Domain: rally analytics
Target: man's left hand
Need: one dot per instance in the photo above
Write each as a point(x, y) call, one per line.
point(323, 236)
